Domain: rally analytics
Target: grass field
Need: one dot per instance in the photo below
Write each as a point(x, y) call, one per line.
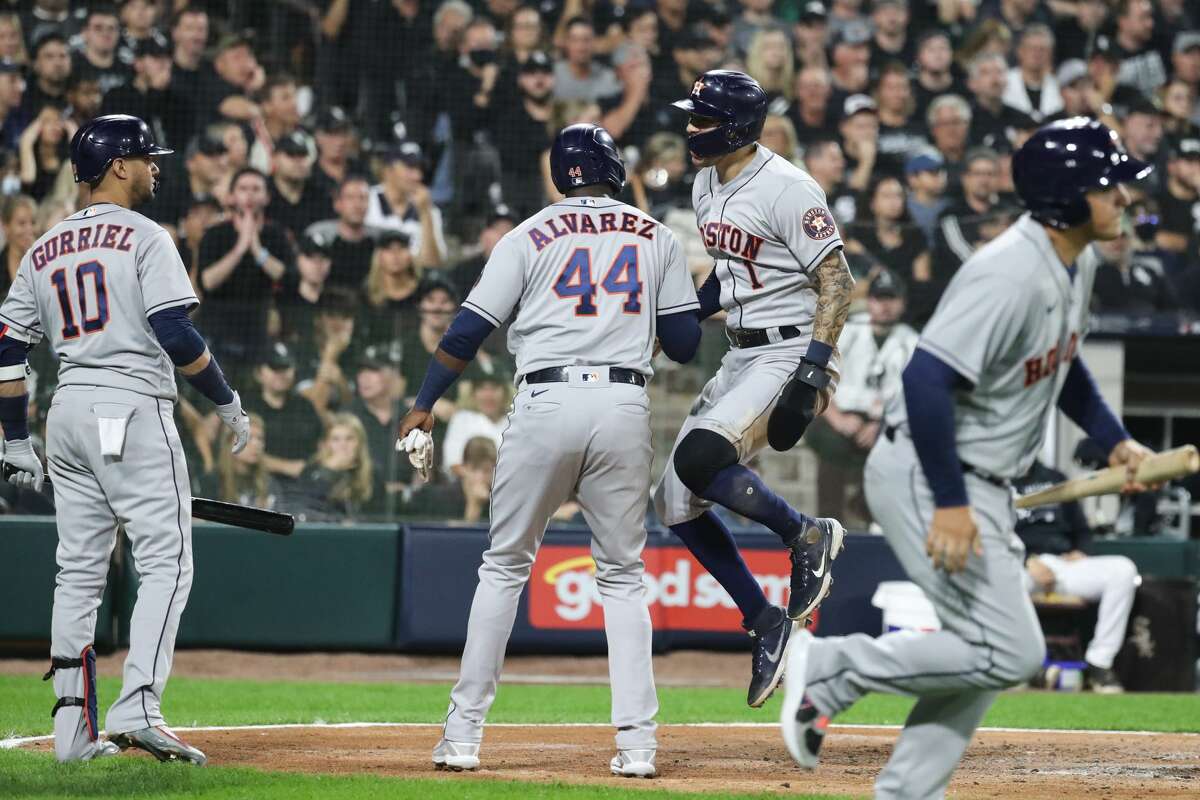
point(25, 704)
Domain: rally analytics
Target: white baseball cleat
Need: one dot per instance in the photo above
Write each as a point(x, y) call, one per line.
point(634, 764)
point(456, 756)
point(803, 726)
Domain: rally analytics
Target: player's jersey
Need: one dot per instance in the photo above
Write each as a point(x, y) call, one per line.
point(1010, 322)
point(767, 228)
point(587, 277)
point(88, 285)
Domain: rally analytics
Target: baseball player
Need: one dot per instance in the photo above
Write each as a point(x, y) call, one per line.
point(592, 281)
point(780, 276)
point(1000, 350)
point(106, 286)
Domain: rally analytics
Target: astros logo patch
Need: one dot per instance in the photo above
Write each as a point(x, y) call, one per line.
point(818, 224)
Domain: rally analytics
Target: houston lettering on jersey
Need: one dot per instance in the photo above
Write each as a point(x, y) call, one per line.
point(732, 240)
point(584, 223)
point(102, 235)
point(1040, 367)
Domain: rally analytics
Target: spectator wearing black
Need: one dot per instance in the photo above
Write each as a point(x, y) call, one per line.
point(901, 133)
point(83, 96)
point(850, 60)
point(1179, 202)
point(1141, 64)
point(192, 73)
point(333, 133)
point(525, 35)
point(139, 20)
point(147, 96)
point(890, 41)
point(425, 94)
point(291, 424)
point(49, 16)
point(887, 232)
point(1077, 90)
point(349, 33)
point(50, 70)
point(674, 20)
point(1014, 14)
point(1142, 135)
point(1032, 86)
point(824, 161)
point(1103, 65)
point(522, 134)
point(13, 116)
point(304, 288)
point(98, 56)
point(436, 306)
point(1178, 106)
point(205, 165)
point(44, 151)
point(1075, 32)
point(630, 117)
point(467, 499)
point(925, 174)
point(500, 221)
point(296, 200)
point(351, 241)
point(378, 398)
point(859, 127)
point(693, 52)
point(578, 75)
point(402, 201)
point(242, 262)
point(936, 72)
point(391, 291)
point(811, 35)
point(959, 230)
point(395, 55)
point(1185, 64)
point(323, 354)
point(812, 113)
point(1129, 281)
point(658, 180)
point(991, 117)
point(755, 16)
point(200, 215)
point(337, 484)
point(239, 79)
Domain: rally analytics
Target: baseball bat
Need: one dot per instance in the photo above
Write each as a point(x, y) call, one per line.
point(1157, 468)
point(258, 519)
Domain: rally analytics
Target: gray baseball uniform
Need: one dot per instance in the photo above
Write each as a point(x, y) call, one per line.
point(88, 285)
point(1010, 322)
point(587, 277)
point(767, 229)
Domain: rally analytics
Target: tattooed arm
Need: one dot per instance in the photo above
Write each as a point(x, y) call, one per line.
point(834, 284)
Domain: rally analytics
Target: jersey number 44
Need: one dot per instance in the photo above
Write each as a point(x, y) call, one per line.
point(575, 280)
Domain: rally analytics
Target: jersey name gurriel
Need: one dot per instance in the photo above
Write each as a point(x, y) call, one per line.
point(101, 235)
point(557, 227)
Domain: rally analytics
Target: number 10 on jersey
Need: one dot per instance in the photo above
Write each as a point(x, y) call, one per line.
point(575, 280)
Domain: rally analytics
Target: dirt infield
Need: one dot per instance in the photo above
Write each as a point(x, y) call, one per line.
point(1062, 766)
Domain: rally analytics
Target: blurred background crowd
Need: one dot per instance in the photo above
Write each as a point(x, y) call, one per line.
point(343, 169)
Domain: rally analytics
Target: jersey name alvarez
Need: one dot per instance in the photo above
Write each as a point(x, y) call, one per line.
point(101, 235)
point(548, 230)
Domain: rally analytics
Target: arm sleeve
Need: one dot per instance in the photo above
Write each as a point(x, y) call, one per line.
point(19, 317)
point(163, 278)
point(178, 336)
point(680, 335)
point(461, 340)
point(1080, 400)
point(676, 292)
point(929, 385)
point(501, 283)
point(806, 226)
point(979, 320)
point(709, 295)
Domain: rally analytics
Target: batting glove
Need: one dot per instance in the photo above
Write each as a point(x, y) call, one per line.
point(419, 446)
point(233, 416)
point(22, 466)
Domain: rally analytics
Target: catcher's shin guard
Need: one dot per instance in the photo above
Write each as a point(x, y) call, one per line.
point(76, 719)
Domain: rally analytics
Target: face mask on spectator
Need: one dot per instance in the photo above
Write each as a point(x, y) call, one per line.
point(481, 58)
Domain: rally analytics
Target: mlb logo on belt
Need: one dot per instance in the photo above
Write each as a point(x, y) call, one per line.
point(591, 377)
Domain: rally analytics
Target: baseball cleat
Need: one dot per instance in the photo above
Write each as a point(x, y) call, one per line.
point(456, 756)
point(803, 726)
point(1102, 681)
point(812, 554)
point(634, 764)
point(772, 632)
point(162, 743)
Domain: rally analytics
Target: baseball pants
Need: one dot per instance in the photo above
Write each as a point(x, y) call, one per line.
point(145, 488)
point(582, 440)
point(1112, 580)
point(990, 637)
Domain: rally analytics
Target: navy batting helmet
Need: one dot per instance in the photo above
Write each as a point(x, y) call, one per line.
point(1060, 163)
point(583, 155)
point(735, 101)
point(98, 142)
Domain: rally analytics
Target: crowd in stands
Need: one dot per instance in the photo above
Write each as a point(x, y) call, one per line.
point(343, 169)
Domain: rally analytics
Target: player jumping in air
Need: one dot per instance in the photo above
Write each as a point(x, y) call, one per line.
point(781, 278)
point(1000, 351)
point(106, 286)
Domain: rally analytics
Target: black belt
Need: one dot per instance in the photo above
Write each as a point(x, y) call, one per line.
point(995, 480)
point(562, 375)
point(759, 337)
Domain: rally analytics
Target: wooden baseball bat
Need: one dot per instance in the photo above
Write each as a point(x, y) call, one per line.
point(1158, 468)
point(258, 519)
